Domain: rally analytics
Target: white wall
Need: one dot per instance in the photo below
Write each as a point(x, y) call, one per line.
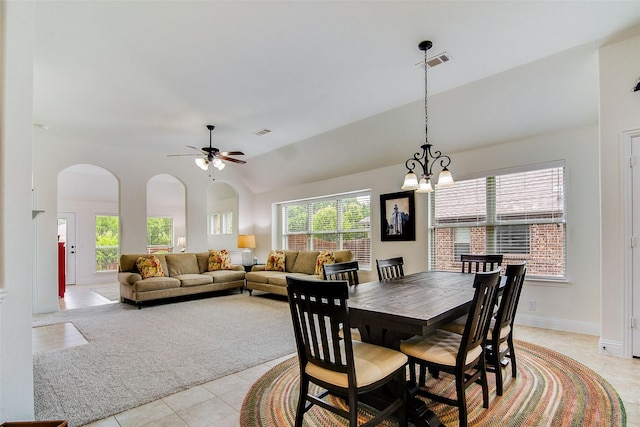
point(572, 305)
point(16, 256)
point(619, 112)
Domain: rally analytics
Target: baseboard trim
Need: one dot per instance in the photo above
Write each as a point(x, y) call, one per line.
point(611, 348)
point(586, 328)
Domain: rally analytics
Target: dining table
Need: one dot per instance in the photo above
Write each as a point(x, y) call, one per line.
point(388, 311)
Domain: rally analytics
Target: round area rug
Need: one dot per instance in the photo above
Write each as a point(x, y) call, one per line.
point(550, 390)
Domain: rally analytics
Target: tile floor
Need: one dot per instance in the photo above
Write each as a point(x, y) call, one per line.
point(218, 402)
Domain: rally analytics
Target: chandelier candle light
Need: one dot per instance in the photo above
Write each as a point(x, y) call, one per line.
point(427, 158)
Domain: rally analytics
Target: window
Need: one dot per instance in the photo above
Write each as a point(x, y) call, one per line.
point(107, 244)
point(520, 215)
point(220, 223)
point(329, 223)
point(159, 235)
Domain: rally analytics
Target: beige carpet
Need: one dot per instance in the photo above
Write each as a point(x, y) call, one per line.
point(137, 356)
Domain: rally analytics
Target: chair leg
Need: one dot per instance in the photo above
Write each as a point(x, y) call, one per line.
point(353, 408)
point(412, 371)
point(462, 401)
point(498, 372)
point(483, 382)
point(302, 400)
point(512, 356)
point(402, 392)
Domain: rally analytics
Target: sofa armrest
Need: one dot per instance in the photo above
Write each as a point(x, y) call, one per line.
point(129, 278)
point(259, 267)
point(237, 267)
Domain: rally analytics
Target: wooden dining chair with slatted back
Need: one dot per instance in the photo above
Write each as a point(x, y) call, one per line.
point(499, 343)
point(337, 364)
point(390, 268)
point(342, 271)
point(472, 263)
point(459, 355)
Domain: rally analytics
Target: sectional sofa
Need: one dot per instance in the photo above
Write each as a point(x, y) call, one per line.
point(296, 263)
point(184, 274)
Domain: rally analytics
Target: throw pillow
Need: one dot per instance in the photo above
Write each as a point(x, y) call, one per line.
point(219, 260)
point(149, 267)
point(275, 261)
point(325, 257)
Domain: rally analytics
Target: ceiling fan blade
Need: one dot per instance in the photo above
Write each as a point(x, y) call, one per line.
point(180, 155)
point(195, 148)
point(232, 153)
point(231, 159)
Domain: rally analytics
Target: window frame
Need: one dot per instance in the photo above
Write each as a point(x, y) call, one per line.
point(310, 234)
point(490, 221)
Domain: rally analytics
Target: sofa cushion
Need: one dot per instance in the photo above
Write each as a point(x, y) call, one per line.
point(281, 280)
point(156, 284)
point(275, 261)
point(182, 264)
point(224, 276)
point(194, 279)
point(264, 276)
point(128, 262)
point(219, 260)
point(343, 256)
point(290, 260)
point(306, 262)
point(149, 267)
point(325, 257)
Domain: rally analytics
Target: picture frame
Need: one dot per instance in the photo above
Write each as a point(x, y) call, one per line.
point(397, 217)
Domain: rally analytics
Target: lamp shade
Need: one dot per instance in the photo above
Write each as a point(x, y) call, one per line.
point(410, 181)
point(182, 241)
point(247, 241)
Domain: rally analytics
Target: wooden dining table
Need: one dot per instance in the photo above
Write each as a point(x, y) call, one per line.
point(389, 311)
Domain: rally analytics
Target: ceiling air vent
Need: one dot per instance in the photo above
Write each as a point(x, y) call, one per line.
point(261, 132)
point(436, 60)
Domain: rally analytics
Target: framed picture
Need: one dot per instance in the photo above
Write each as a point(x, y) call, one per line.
point(397, 216)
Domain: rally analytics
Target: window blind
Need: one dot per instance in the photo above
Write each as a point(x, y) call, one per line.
point(520, 215)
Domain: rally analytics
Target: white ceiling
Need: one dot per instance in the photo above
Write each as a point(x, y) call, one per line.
point(152, 74)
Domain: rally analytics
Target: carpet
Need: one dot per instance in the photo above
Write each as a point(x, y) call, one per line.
point(550, 390)
point(109, 291)
point(137, 356)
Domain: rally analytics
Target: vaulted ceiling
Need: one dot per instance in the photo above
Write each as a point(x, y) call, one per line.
point(152, 74)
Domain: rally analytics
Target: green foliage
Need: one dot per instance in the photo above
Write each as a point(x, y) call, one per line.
point(159, 231)
point(107, 243)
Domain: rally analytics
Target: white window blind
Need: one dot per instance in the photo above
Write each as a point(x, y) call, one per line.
point(329, 223)
point(520, 215)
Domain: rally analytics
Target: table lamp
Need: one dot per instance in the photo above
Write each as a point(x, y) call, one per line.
point(248, 242)
point(182, 243)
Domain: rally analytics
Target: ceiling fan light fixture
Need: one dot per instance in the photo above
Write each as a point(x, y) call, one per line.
point(202, 163)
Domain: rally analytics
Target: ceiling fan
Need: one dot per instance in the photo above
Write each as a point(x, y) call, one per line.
point(212, 155)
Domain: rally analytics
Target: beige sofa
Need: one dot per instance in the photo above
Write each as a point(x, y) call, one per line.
point(297, 263)
point(186, 274)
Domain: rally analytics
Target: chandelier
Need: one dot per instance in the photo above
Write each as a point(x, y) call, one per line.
point(426, 159)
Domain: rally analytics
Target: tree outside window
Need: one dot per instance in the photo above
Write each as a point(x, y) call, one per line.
point(159, 235)
point(107, 242)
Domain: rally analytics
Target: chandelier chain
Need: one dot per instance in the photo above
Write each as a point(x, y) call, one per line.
point(426, 111)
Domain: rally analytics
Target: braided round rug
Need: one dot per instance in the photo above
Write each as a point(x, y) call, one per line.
point(550, 390)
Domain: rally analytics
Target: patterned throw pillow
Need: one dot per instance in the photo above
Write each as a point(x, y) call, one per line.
point(219, 260)
point(275, 261)
point(149, 267)
point(325, 257)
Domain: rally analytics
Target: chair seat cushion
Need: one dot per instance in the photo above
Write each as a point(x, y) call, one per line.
point(372, 364)
point(441, 347)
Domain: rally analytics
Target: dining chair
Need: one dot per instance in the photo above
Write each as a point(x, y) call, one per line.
point(342, 271)
point(390, 268)
point(501, 330)
point(472, 263)
point(501, 327)
point(337, 364)
point(459, 355)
